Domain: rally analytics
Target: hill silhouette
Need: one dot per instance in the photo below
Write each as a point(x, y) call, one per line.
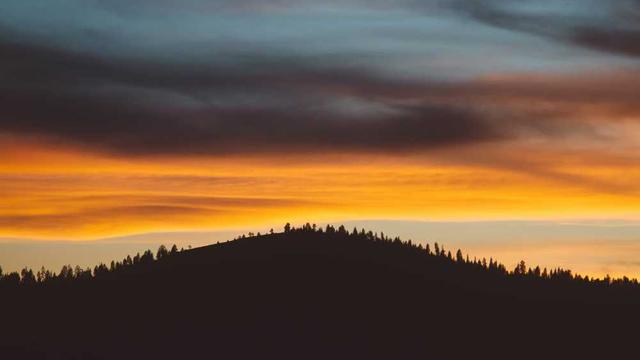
point(313, 294)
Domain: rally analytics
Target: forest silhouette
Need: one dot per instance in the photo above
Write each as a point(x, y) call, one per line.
point(314, 292)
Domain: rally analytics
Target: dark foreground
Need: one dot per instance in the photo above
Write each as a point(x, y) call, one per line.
point(310, 295)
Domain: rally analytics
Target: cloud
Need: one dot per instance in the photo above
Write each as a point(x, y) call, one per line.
point(281, 104)
point(609, 26)
point(168, 202)
point(215, 98)
point(124, 213)
point(270, 105)
point(91, 217)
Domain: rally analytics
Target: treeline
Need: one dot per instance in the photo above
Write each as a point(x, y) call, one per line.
point(68, 273)
point(521, 270)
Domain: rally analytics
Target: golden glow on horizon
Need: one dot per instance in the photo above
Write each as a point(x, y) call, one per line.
point(62, 193)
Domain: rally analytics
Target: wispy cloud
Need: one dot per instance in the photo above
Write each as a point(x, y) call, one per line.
point(607, 26)
point(221, 94)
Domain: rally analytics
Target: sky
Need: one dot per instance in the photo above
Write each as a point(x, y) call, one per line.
point(191, 117)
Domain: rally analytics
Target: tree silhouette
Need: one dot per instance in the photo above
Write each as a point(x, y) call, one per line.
point(27, 277)
point(521, 268)
point(12, 279)
point(147, 257)
point(162, 252)
point(350, 284)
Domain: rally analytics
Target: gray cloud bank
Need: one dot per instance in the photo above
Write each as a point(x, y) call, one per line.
point(217, 97)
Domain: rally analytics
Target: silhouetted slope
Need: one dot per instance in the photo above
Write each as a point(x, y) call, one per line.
point(304, 294)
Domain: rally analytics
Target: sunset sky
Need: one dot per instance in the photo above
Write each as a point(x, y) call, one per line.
point(507, 128)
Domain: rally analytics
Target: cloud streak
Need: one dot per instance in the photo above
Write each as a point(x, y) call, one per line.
point(617, 32)
point(273, 105)
point(141, 108)
point(216, 97)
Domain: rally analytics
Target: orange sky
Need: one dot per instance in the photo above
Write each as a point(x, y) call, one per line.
point(54, 192)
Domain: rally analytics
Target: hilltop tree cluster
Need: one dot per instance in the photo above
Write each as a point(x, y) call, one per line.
point(521, 269)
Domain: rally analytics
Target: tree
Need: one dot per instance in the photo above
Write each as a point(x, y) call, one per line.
point(287, 227)
point(147, 257)
point(174, 249)
point(28, 278)
point(77, 272)
point(162, 252)
point(459, 257)
point(12, 279)
point(66, 273)
point(100, 270)
point(42, 275)
point(521, 268)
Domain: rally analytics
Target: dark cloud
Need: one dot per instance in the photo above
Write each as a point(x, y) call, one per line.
point(254, 103)
point(621, 41)
point(610, 26)
point(213, 99)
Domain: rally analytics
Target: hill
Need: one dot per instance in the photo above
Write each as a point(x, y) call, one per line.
point(306, 294)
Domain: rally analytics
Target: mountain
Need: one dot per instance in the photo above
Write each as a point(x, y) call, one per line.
point(308, 294)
